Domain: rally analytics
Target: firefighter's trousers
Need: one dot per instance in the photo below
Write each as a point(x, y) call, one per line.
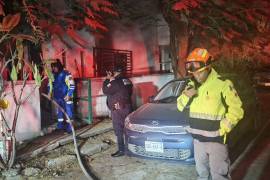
point(67, 107)
point(212, 160)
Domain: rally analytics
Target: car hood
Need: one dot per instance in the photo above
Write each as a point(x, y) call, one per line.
point(163, 114)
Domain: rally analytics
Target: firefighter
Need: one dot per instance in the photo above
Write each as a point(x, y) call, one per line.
point(61, 89)
point(118, 90)
point(214, 110)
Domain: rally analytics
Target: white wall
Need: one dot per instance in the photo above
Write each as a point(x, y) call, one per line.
point(144, 87)
point(55, 48)
point(29, 119)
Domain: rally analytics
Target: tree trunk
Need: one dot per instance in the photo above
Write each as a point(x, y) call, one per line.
point(179, 44)
point(183, 44)
point(179, 37)
point(174, 49)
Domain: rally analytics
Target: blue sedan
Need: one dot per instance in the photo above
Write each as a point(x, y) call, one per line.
point(157, 129)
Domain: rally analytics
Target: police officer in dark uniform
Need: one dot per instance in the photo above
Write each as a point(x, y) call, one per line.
point(118, 90)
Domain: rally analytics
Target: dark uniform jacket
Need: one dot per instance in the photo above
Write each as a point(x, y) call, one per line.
point(118, 90)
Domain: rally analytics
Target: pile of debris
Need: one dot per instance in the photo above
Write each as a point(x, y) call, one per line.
point(54, 153)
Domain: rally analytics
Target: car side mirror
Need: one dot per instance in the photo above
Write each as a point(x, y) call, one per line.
point(151, 99)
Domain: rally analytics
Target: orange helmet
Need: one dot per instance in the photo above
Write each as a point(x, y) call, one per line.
point(198, 60)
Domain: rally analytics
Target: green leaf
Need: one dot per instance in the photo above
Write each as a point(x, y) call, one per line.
point(37, 76)
point(49, 74)
point(19, 66)
point(38, 80)
point(14, 75)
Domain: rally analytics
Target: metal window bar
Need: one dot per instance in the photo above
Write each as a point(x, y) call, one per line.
point(106, 59)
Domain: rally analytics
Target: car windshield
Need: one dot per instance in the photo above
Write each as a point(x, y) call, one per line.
point(169, 92)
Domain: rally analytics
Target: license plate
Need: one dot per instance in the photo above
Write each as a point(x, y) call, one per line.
point(154, 146)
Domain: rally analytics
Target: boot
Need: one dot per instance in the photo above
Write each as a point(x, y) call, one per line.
point(68, 128)
point(60, 125)
point(118, 153)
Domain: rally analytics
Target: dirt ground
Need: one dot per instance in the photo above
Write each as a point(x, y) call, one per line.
point(104, 167)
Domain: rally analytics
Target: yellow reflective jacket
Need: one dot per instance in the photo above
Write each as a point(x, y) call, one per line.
point(217, 103)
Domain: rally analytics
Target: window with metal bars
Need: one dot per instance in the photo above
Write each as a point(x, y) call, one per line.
point(107, 59)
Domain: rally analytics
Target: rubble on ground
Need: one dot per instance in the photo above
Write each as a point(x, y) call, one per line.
point(61, 163)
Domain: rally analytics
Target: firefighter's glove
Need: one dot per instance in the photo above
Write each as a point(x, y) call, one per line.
point(225, 127)
point(190, 91)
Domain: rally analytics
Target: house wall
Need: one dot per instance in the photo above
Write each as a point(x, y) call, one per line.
point(143, 41)
point(29, 119)
point(28, 123)
point(143, 44)
point(74, 54)
point(143, 87)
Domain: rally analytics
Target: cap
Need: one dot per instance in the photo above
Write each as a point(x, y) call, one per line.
point(118, 69)
point(57, 63)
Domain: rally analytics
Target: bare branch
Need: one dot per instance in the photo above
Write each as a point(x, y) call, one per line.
point(4, 37)
point(29, 95)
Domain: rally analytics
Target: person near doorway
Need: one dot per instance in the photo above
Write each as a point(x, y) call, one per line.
point(214, 110)
point(118, 90)
point(61, 89)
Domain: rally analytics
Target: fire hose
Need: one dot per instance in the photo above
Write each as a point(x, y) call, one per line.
point(74, 139)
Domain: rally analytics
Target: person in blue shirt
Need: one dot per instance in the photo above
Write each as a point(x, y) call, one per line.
point(61, 89)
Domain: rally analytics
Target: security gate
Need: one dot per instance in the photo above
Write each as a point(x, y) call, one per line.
point(83, 100)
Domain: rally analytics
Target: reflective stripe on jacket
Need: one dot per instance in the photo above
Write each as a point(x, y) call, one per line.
point(62, 85)
point(216, 100)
